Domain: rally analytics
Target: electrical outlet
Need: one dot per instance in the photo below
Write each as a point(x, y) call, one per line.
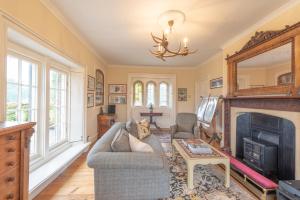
point(87, 138)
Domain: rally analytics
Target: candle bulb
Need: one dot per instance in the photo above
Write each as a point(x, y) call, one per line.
point(159, 48)
point(185, 41)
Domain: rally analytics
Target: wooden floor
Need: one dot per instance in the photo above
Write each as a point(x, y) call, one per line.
point(76, 183)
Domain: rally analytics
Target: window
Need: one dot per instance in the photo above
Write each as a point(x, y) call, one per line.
point(138, 93)
point(21, 93)
point(57, 107)
point(163, 94)
point(150, 93)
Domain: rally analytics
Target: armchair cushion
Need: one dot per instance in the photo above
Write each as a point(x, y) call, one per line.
point(183, 135)
point(186, 122)
point(196, 132)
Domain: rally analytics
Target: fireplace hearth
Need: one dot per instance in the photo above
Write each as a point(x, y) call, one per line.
point(266, 144)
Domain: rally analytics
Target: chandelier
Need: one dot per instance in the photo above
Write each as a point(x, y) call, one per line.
point(162, 43)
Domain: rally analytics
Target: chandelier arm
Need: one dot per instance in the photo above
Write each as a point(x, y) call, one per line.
point(191, 52)
point(156, 39)
point(155, 53)
point(178, 51)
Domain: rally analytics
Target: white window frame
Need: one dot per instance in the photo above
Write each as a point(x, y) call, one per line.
point(60, 68)
point(154, 93)
point(44, 153)
point(168, 94)
point(24, 54)
point(143, 93)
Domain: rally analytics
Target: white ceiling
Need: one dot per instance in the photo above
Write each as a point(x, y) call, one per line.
point(119, 30)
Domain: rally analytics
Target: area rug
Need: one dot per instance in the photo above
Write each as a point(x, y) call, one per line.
point(208, 180)
point(208, 183)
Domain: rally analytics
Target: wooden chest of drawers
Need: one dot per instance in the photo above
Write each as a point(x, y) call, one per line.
point(105, 121)
point(14, 160)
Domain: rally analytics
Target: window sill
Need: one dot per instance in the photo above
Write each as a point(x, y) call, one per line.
point(45, 174)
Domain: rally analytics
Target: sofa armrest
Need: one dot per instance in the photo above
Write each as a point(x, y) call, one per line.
point(196, 131)
point(126, 160)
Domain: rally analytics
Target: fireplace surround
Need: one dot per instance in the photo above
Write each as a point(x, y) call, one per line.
point(282, 107)
point(266, 143)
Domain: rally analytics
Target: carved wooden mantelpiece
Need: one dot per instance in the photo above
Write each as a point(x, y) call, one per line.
point(280, 103)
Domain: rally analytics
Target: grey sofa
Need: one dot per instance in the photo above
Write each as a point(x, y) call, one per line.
point(185, 127)
point(128, 175)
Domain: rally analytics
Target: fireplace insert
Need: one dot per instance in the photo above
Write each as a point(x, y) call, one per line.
point(261, 155)
point(266, 144)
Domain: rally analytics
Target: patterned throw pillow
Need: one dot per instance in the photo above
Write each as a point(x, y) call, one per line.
point(143, 128)
point(120, 142)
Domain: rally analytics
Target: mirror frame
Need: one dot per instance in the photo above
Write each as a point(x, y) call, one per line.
point(260, 43)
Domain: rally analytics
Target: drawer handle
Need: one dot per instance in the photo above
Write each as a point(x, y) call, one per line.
point(11, 137)
point(10, 179)
point(10, 164)
point(10, 150)
point(10, 196)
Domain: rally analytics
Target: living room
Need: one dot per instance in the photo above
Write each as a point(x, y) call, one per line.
point(113, 99)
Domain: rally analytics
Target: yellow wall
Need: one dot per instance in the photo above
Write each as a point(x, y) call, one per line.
point(37, 20)
point(210, 69)
point(185, 78)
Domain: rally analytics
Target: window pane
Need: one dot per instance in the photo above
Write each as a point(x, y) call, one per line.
point(138, 94)
point(12, 69)
point(163, 94)
point(26, 72)
point(57, 109)
point(12, 93)
point(21, 95)
point(11, 115)
point(150, 94)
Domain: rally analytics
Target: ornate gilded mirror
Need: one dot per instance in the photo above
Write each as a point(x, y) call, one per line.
point(267, 64)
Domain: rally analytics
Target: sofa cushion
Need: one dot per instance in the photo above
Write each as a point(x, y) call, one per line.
point(120, 142)
point(138, 146)
point(143, 128)
point(183, 135)
point(131, 127)
point(186, 122)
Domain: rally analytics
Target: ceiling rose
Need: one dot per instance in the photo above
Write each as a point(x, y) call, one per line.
point(167, 21)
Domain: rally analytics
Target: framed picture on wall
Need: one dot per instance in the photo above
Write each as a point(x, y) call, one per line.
point(99, 98)
point(182, 94)
point(117, 88)
point(91, 83)
point(117, 99)
point(216, 83)
point(90, 100)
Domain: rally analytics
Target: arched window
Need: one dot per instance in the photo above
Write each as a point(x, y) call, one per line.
point(138, 93)
point(163, 94)
point(150, 93)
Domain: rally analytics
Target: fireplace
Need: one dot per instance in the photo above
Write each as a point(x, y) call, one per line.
point(266, 143)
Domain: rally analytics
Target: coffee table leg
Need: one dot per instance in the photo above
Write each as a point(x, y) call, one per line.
point(227, 174)
point(190, 178)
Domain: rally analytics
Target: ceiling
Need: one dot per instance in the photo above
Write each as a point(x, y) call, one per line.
point(120, 30)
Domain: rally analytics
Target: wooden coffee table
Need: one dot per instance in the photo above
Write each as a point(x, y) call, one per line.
point(192, 160)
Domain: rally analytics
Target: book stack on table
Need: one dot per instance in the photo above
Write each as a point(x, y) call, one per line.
point(198, 148)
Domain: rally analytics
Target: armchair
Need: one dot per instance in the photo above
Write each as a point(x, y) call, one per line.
point(185, 127)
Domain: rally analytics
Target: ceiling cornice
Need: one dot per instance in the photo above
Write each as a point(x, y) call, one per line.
point(152, 67)
point(57, 13)
point(260, 23)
